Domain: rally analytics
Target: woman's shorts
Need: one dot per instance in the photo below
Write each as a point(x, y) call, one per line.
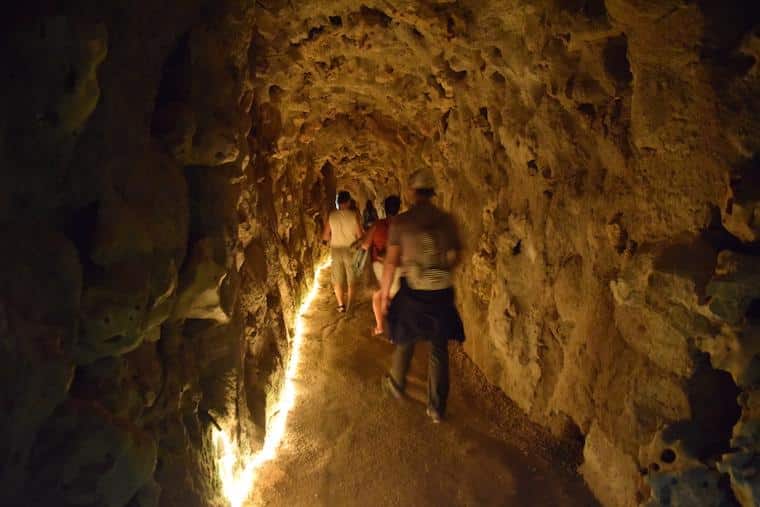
point(377, 267)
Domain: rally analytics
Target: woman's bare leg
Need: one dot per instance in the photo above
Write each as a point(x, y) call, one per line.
point(377, 311)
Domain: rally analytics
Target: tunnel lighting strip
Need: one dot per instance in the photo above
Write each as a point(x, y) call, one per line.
point(237, 469)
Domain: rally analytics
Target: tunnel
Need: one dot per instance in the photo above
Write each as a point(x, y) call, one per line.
point(168, 331)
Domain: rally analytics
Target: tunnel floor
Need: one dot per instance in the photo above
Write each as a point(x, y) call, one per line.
point(349, 443)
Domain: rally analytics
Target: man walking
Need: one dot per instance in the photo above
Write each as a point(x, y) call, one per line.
point(425, 242)
point(342, 229)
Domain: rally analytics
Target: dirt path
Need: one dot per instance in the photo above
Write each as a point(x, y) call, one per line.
point(348, 443)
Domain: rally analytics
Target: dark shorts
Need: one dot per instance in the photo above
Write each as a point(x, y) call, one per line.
point(416, 315)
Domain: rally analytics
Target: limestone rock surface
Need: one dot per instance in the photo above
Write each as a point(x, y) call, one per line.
point(167, 168)
point(84, 456)
point(598, 157)
point(129, 199)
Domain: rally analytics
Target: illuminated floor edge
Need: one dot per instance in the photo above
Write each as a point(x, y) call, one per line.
point(237, 471)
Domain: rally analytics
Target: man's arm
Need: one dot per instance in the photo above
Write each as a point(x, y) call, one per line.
point(453, 257)
point(358, 232)
point(454, 252)
point(326, 231)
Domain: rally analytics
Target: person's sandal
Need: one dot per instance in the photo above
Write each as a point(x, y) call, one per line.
point(377, 333)
point(434, 415)
point(391, 388)
point(341, 308)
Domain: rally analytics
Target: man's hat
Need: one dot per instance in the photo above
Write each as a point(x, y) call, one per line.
point(422, 178)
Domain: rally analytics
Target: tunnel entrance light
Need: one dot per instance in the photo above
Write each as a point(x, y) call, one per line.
point(237, 467)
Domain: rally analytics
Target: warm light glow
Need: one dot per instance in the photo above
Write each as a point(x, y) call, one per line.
point(237, 469)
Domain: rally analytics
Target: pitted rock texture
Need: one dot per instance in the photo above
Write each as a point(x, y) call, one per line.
point(167, 166)
point(601, 159)
point(133, 214)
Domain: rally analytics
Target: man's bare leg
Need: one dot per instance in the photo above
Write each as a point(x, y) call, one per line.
point(339, 294)
point(350, 295)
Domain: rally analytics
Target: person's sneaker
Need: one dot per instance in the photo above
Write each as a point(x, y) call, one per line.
point(391, 388)
point(434, 415)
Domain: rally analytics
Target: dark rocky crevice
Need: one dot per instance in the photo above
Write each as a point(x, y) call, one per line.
point(715, 411)
point(375, 17)
point(174, 89)
point(616, 60)
point(79, 228)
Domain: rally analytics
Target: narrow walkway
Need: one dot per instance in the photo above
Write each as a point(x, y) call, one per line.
point(349, 444)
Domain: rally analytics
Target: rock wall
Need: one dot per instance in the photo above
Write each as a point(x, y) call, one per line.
point(165, 171)
point(148, 268)
point(601, 156)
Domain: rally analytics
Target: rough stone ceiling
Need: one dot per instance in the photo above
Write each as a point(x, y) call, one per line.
point(366, 86)
point(601, 156)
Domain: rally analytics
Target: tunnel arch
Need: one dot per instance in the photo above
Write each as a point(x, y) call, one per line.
point(167, 169)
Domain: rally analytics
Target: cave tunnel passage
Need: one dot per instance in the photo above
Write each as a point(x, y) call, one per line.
point(349, 443)
point(165, 172)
